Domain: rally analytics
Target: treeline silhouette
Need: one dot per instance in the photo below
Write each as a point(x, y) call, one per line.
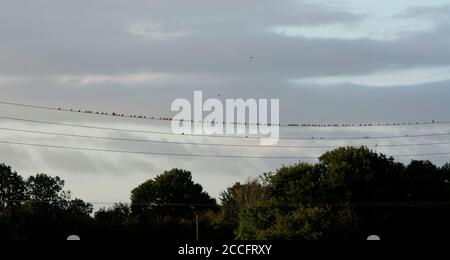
point(350, 193)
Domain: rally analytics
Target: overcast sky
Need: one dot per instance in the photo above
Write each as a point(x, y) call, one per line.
point(327, 61)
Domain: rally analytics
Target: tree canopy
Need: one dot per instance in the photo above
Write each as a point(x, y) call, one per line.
point(349, 194)
point(12, 188)
point(172, 194)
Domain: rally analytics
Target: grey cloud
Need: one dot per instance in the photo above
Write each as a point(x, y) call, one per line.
point(44, 41)
point(71, 39)
point(435, 12)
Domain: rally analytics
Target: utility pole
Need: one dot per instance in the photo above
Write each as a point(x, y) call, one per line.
point(197, 226)
point(197, 229)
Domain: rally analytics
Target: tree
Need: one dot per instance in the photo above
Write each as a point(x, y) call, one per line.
point(360, 175)
point(118, 214)
point(170, 195)
point(12, 188)
point(297, 207)
point(297, 184)
point(426, 182)
point(78, 208)
point(446, 168)
point(350, 193)
point(44, 188)
point(270, 222)
point(445, 175)
point(239, 197)
point(38, 207)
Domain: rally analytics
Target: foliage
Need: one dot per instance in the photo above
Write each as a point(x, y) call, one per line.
point(170, 195)
point(241, 196)
point(349, 194)
point(12, 188)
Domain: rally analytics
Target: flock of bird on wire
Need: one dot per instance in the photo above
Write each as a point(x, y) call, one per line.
point(246, 123)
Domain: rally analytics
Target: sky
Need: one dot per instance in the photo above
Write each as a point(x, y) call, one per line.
point(326, 60)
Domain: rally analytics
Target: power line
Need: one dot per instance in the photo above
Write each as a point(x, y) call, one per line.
point(213, 144)
point(224, 136)
point(192, 205)
point(121, 129)
point(192, 155)
point(153, 153)
point(165, 118)
point(115, 203)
